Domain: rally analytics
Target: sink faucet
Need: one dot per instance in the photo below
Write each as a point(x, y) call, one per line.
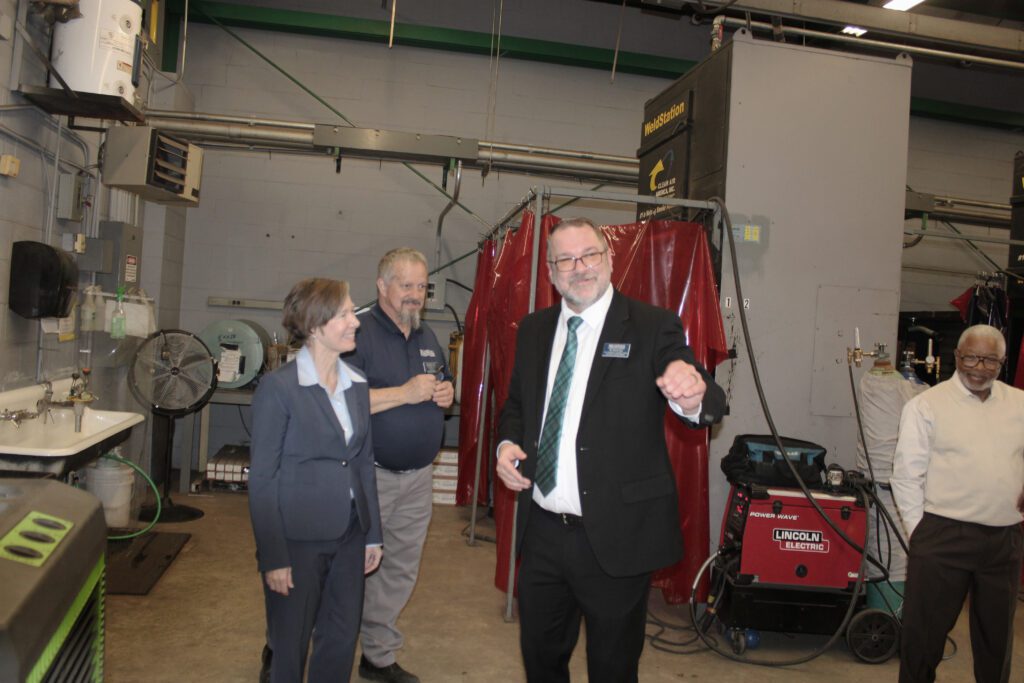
point(79, 396)
point(46, 404)
point(79, 384)
point(17, 416)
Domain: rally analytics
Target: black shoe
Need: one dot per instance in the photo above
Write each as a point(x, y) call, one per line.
point(268, 654)
point(388, 674)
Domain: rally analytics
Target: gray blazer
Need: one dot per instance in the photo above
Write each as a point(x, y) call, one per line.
point(302, 471)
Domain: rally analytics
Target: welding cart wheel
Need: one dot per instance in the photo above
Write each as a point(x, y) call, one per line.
point(873, 635)
point(738, 637)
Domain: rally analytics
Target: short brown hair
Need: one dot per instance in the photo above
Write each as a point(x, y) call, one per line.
point(311, 304)
point(579, 222)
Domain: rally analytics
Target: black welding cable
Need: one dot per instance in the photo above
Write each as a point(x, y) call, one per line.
point(662, 627)
point(890, 523)
point(764, 401)
point(865, 557)
point(458, 323)
point(888, 519)
point(871, 472)
point(903, 544)
point(851, 608)
point(665, 645)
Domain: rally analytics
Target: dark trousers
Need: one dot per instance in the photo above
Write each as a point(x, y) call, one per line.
point(326, 603)
point(560, 582)
point(948, 561)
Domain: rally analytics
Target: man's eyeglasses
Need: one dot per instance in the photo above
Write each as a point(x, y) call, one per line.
point(567, 264)
point(970, 361)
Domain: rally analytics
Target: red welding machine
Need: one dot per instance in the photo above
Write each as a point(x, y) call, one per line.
point(785, 542)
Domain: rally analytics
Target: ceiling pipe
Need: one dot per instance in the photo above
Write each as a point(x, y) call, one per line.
point(218, 130)
point(268, 135)
point(444, 212)
point(879, 44)
point(227, 118)
point(263, 133)
point(509, 147)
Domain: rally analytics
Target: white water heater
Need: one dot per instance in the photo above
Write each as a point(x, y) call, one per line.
point(100, 51)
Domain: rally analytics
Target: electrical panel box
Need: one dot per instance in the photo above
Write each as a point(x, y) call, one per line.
point(126, 245)
point(156, 166)
point(69, 197)
point(435, 295)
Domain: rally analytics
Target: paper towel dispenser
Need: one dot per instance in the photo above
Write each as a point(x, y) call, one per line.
point(44, 281)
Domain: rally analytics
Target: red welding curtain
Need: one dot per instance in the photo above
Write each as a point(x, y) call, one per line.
point(472, 402)
point(665, 263)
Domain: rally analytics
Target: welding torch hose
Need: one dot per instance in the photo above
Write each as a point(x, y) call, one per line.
point(850, 610)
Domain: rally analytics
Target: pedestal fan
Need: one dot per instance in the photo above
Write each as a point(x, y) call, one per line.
point(175, 374)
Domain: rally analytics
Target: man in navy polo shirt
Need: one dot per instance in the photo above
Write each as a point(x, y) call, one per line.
point(409, 391)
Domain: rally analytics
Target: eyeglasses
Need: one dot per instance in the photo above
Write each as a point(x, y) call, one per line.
point(567, 264)
point(970, 361)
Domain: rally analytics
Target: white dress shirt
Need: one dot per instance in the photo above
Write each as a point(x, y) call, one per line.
point(565, 496)
point(960, 457)
point(346, 376)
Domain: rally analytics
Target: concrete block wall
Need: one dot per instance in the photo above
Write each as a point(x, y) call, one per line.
point(269, 219)
point(266, 220)
point(963, 161)
point(24, 208)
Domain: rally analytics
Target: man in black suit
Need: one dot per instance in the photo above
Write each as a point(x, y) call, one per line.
point(583, 444)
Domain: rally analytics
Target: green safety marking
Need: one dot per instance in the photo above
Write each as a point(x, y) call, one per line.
point(30, 523)
point(95, 583)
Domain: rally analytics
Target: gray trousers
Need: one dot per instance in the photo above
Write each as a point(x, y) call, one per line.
point(406, 504)
point(324, 605)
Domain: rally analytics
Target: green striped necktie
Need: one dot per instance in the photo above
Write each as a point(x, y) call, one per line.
point(547, 453)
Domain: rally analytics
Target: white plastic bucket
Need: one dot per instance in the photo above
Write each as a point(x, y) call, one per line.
point(112, 483)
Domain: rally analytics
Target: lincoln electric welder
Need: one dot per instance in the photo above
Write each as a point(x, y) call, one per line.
point(780, 565)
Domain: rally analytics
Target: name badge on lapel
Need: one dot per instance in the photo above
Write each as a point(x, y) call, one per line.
point(615, 351)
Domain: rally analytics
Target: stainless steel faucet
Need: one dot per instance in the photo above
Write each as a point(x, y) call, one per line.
point(78, 398)
point(46, 403)
point(17, 416)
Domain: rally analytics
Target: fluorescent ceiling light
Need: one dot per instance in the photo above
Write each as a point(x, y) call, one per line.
point(854, 31)
point(901, 5)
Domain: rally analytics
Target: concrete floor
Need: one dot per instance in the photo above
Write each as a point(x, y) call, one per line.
point(204, 621)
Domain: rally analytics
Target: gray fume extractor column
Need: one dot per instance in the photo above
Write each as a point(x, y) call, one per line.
point(808, 148)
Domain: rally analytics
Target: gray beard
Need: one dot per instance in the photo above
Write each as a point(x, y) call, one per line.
point(412, 319)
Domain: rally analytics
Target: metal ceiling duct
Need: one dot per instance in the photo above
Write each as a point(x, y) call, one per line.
point(268, 133)
point(297, 137)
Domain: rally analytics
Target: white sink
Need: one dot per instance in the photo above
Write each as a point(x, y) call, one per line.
point(52, 445)
point(57, 436)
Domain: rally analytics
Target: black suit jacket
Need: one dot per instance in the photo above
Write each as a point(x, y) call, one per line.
point(627, 488)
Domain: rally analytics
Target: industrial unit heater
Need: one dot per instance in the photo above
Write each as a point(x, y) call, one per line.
point(52, 549)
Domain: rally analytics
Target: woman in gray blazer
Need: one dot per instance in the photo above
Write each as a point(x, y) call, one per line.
point(312, 489)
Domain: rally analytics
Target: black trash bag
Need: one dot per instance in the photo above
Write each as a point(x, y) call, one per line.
point(755, 459)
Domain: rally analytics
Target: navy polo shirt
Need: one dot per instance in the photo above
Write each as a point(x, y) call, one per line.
point(406, 437)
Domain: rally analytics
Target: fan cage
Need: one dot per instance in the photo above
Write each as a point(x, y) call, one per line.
point(173, 373)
